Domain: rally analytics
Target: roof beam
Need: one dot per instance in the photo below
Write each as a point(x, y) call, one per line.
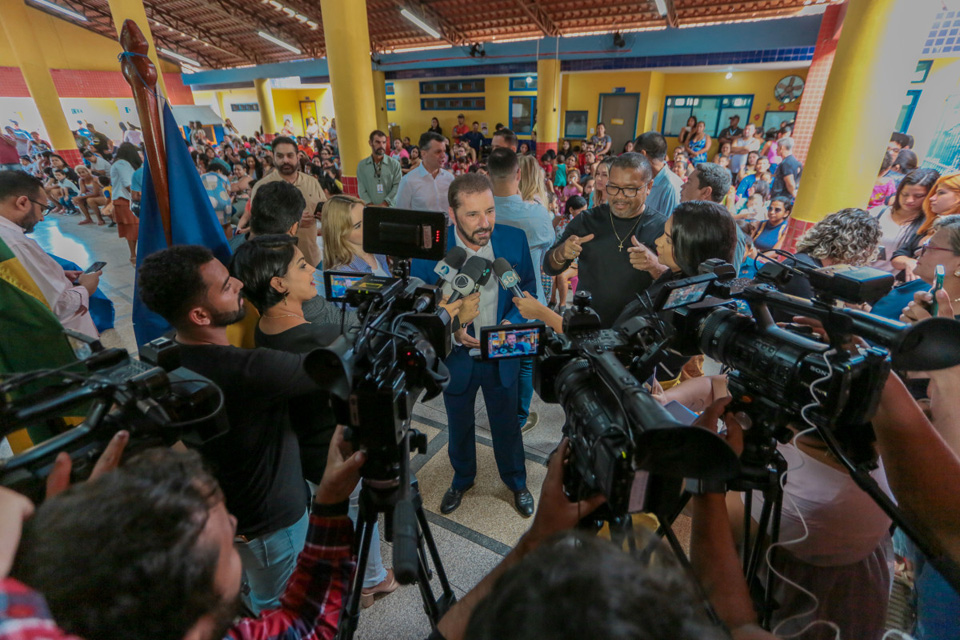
point(538, 14)
point(166, 19)
point(238, 10)
point(447, 31)
point(671, 16)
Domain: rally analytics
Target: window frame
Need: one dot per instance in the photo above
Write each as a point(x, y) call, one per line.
point(448, 86)
point(566, 124)
point(721, 97)
point(523, 80)
point(533, 114)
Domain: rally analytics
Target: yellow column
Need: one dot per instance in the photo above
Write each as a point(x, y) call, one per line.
point(27, 48)
point(223, 111)
point(548, 105)
point(380, 100)
point(268, 115)
point(351, 79)
point(122, 10)
point(860, 104)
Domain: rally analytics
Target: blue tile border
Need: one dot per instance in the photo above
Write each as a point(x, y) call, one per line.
point(789, 54)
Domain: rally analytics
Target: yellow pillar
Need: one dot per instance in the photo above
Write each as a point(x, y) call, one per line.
point(27, 48)
point(121, 10)
point(860, 104)
point(548, 105)
point(380, 100)
point(223, 111)
point(351, 79)
point(268, 115)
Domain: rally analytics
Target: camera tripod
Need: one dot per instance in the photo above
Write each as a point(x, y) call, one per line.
point(407, 527)
point(763, 469)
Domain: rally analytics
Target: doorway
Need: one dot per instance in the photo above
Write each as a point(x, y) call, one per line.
point(618, 112)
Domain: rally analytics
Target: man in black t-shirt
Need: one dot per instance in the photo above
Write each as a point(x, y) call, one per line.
point(257, 462)
point(474, 138)
point(601, 238)
point(787, 178)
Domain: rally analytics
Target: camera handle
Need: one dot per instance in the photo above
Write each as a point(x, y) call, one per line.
point(406, 525)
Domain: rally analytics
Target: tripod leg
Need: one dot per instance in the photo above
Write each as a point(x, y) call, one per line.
point(766, 613)
point(754, 552)
point(350, 617)
point(447, 597)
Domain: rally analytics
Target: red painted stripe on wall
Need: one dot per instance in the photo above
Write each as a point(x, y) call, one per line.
point(81, 83)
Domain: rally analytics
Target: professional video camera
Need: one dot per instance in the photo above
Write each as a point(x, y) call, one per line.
point(375, 373)
point(154, 399)
point(781, 376)
point(623, 443)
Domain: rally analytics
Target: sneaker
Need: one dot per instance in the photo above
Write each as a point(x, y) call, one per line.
point(532, 420)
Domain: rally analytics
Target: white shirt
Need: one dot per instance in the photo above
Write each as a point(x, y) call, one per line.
point(99, 164)
point(68, 302)
point(121, 175)
point(422, 192)
point(489, 296)
point(737, 159)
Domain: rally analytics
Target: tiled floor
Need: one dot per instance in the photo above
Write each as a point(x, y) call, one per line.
point(471, 541)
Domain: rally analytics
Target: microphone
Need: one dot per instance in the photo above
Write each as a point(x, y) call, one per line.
point(484, 278)
point(465, 281)
point(508, 277)
point(450, 265)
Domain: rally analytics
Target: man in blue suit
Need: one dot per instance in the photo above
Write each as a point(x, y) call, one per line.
point(473, 214)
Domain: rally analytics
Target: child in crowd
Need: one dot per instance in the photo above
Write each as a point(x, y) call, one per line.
point(589, 184)
point(68, 190)
point(753, 208)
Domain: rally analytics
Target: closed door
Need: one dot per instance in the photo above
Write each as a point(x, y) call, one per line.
point(618, 112)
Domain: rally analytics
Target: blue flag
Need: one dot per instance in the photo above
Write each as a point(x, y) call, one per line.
point(191, 218)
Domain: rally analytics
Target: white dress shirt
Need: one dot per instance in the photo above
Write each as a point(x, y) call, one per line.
point(420, 191)
point(489, 296)
point(68, 302)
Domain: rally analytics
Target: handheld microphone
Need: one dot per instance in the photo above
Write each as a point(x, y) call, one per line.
point(450, 265)
point(465, 281)
point(508, 277)
point(484, 277)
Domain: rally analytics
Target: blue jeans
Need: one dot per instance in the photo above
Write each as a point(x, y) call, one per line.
point(269, 561)
point(374, 573)
point(525, 391)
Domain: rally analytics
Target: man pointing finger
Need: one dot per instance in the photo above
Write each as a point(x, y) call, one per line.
point(601, 239)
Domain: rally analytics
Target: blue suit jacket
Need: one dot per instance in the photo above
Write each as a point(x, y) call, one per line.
point(508, 243)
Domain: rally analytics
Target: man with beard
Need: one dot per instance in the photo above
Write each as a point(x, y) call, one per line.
point(288, 168)
point(379, 175)
point(257, 462)
point(67, 293)
point(603, 236)
point(473, 215)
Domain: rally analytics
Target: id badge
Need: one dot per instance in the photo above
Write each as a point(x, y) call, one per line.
point(379, 188)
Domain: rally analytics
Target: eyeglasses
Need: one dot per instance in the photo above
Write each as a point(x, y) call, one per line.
point(44, 206)
point(630, 192)
point(928, 247)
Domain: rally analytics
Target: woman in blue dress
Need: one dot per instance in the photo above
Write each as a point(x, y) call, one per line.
point(770, 233)
point(698, 144)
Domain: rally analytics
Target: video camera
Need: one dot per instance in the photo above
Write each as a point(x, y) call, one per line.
point(378, 369)
point(782, 374)
point(623, 443)
point(154, 398)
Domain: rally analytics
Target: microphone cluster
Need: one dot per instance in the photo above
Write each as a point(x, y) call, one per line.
point(469, 275)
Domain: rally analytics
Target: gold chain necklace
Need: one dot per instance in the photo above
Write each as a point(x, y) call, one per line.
point(620, 240)
point(284, 315)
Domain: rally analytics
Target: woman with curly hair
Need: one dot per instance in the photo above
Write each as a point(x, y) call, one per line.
point(849, 236)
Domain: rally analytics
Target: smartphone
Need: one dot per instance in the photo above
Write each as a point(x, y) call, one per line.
point(937, 285)
point(318, 211)
point(96, 266)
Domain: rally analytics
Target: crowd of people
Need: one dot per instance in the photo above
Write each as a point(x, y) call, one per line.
point(584, 217)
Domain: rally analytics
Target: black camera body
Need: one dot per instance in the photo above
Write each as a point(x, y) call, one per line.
point(623, 443)
point(378, 369)
point(154, 398)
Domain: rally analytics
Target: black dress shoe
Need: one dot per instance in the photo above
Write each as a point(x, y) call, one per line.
point(523, 501)
point(451, 499)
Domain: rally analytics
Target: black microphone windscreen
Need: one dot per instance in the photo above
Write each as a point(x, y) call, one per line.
point(474, 268)
point(501, 266)
point(456, 257)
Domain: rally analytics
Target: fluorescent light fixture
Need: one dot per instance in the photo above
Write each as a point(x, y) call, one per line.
point(280, 43)
point(64, 10)
point(420, 23)
point(188, 69)
point(177, 56)
point(729, 75)
point(661, 7)
point(313, 25)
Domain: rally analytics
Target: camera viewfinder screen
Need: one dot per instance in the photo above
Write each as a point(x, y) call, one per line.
point(338, 283)
point(686, 295)
point(515, 343)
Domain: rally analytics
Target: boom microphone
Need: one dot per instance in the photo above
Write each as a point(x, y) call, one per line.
point(464, 282)
point(508, 277)
point(450, 265)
